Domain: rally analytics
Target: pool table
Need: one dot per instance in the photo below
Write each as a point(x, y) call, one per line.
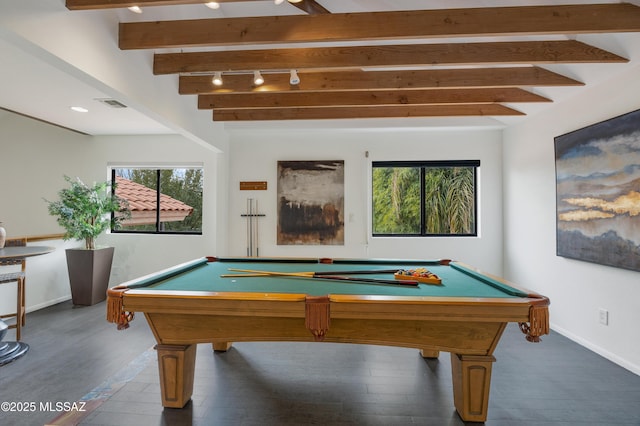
point(224, 300)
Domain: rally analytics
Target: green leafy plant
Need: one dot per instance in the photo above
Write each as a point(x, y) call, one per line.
point(85, 211)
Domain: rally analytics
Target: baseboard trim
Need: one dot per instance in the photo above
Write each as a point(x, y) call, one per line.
point(48, 303)
point(635, 369)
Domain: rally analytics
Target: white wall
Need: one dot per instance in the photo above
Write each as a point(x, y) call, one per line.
point(254, 156)
point(576, 289)
point(34, 157)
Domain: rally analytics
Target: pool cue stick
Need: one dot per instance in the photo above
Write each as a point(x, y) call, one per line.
point(248, 228)
point(403, 283)
point(256, 215)
point(313, 275)
point(254, 274)
point(373, 281)
point(252, 216)
point(251, 227)
point(275, 273)
point(356, 272)
point(359, 272)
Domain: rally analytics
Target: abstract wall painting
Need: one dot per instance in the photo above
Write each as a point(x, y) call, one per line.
point(598, 193)
point(310, 203)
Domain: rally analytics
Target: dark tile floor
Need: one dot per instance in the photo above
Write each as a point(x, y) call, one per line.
point(556, 382)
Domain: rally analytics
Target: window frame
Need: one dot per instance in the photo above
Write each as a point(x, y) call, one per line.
point(157, 169)
point(424, 165)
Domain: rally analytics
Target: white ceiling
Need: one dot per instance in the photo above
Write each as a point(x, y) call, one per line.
point(32, 87)
point(36, 82)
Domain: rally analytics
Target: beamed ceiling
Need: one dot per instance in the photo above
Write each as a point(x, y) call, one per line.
point(482, 61)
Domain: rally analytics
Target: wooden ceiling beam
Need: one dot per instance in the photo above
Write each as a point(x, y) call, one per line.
point(115, 4)
point(309, 6)
point(323, 58)
point(363, 112)
point(367, 98)
point(380, 80)
point(414, 24)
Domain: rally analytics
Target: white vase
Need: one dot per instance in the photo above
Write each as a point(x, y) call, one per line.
point(3, 235)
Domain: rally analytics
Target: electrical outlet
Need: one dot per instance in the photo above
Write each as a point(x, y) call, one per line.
point(603, 315)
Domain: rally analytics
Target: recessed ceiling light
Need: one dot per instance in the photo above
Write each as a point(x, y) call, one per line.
point(212, 5)
point(79, 109)
point(135, 9)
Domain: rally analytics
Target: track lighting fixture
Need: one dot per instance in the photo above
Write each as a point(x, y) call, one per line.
point(217, 78)
point(294, 79)
point(257, 78)
point(135, 9)
point(212, 5)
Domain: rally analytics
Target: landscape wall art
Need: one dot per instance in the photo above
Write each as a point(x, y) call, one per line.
point(598, 192)
point(310, 203)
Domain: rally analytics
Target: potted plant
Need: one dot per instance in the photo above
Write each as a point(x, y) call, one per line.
point(85, 212)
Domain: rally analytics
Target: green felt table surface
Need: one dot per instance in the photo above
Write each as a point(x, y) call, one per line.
point(201, 275)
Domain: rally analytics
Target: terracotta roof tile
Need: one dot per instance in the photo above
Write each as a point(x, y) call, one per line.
point(143, 200)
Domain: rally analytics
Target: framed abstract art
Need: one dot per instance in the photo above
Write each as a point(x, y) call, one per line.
point(598, 192)
point(310, 202)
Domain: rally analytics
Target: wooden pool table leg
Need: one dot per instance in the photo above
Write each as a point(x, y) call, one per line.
point(471, 385)
point(176, 364)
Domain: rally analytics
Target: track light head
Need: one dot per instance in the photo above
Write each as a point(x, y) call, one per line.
point(257, 78)
point(217, 78)
point(294, 79)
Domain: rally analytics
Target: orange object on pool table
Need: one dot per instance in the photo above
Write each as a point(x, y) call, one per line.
point(465, 315)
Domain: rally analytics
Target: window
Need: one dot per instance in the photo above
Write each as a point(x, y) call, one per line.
point(177, 192)
point(424, 198)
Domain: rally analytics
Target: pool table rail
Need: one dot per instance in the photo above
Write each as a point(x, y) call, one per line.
point(410, 321)
point(537, 324)
point(530, 313)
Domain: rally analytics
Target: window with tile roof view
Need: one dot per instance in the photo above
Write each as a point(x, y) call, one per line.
point(178, 192)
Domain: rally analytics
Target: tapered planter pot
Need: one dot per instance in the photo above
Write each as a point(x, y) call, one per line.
point(89, 272)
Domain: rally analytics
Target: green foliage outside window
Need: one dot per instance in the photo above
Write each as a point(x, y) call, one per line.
point(396, 193)
point(423, 198)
